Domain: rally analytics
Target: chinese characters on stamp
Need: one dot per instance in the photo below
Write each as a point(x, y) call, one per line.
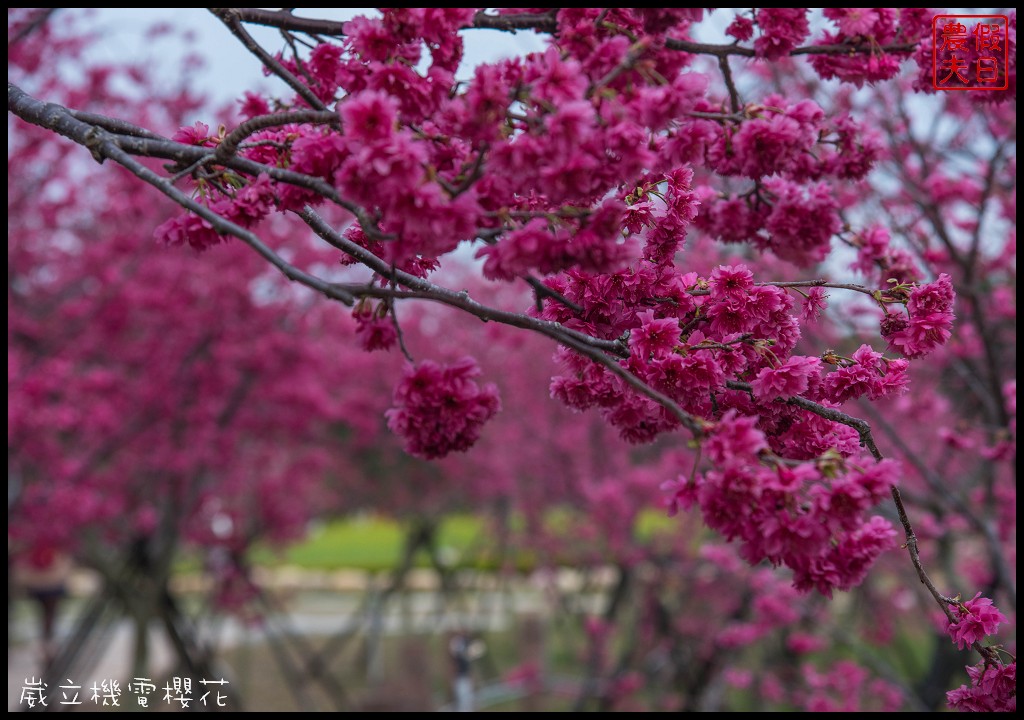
point(970, 52)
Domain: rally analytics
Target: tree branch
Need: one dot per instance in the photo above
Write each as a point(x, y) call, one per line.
point(285, 20)
point(542, 291)
point(808, 283)
point(31, 26)
point(115, 125)
point(139, 141)
point(457, 299)
point(697, 48)
point(864, 430)
point(861, 426)
point(102, 146)
point(231, 18)
point(595, 349)
point(547, 23)
point(229, 145)
point(514, 22)
point(939, 488)
point(730, 85)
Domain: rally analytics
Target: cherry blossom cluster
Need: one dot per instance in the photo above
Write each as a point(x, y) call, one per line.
point(375, 329)
point(978, 618)
point(440, 409)
point(597, 170)
point(883, 26)
point(929, 320)
point(880, 260)
point(789, 151)
point(993, 689)
point(810, 519)
point(587, 165)
point(993, 685)
point(733, 329)
point(566, 164)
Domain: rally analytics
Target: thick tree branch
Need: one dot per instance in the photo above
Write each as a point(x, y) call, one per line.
point(115, 125)
point(861, 426)
point(285, 20)
point(457, 299)
point(139, 141)
point(419, 288)
point(547, 23)
point(540, 22)
point(514, 22)
point(102, 146)
point(229, 145)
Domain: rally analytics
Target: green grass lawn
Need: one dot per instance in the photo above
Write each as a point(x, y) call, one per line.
point(368, 542)
point(374, 542)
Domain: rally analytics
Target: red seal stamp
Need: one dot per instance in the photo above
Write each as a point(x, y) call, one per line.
point(970, 52)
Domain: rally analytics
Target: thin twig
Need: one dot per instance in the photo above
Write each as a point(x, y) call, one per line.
point(864, 430)
point(392, 310)
point(475, 173)
point(298, 60)
point(734, 95)
point(543, 291)
point(231, 18)
point(717, 116)
point(31, 26)
point(915, 558)
point(628, 62)
point(189, 170)
point(940, 490)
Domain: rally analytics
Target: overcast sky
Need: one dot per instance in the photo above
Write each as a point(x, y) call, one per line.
point(230, 68)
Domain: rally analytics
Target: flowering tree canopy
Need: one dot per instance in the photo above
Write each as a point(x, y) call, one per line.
point(755, 250)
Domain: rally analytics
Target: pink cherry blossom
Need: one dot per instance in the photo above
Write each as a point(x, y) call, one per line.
point(791, 378)
point(440, 408)
point(930, 319)
point(978, 618)
point(782, 29)
point(993, 689)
